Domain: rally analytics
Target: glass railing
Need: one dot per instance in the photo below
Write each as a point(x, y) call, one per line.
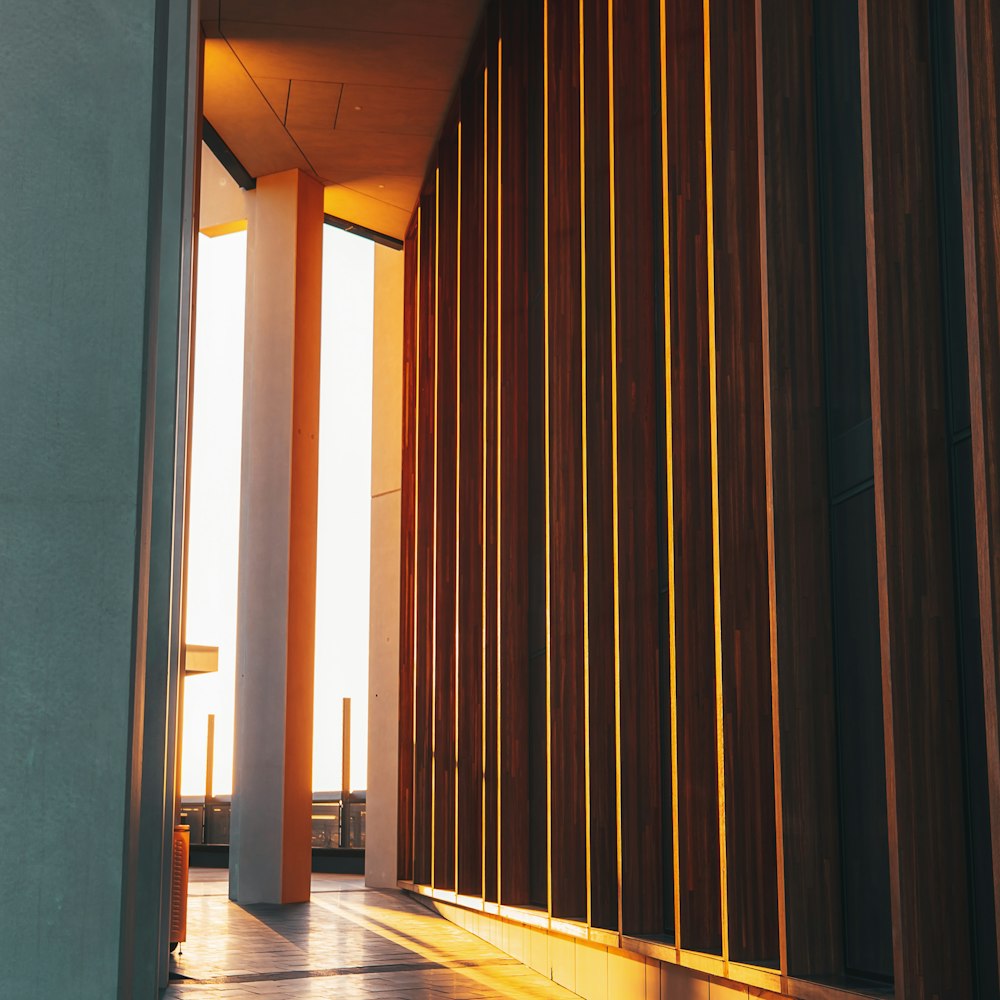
point(209, 820)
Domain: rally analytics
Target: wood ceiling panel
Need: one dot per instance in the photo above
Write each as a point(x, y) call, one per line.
point(346, 203)
point(313, 105)
point(350, 156)
point(403, 110)
point(352, 92)
point(447, 18)
point(240, 114)
point(400, 192)
point(366, 57)
point(275, 91)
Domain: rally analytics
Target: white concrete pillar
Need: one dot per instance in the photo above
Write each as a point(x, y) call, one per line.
point(270, 850)
point(383, 646)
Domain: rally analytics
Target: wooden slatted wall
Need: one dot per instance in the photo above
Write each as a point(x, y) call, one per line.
point(700, 557)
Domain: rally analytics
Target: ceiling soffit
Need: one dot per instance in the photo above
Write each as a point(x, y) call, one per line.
point(354, 93)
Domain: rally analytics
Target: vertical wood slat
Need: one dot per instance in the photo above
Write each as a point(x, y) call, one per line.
point(777, 812)
point(668, 630)
point(638, 359)
point(948, 161)
point(407, 549)
point(532, 52)
point(805, 694)
point(864, 851)
point(713, 410)
point(698, 849)
point(601, 791)
point(926, 835)
point(491, 445)
point(424, 557)
point(512, 461)
point(751, 852)
point(977, 34)
point(565, 557)
point(470, 555)
point(446, 460)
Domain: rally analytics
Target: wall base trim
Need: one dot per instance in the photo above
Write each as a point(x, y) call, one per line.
point(602, 965)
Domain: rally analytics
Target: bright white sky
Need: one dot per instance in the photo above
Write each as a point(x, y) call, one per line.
point(344, 506)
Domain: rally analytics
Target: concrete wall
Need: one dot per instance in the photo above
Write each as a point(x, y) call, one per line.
point(85, 219)
point(383, 648)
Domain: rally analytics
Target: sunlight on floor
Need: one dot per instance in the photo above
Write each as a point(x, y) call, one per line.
point(349, 941)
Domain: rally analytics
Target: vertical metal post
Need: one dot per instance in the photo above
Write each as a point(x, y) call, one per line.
point(209, 761)
point(345, 780)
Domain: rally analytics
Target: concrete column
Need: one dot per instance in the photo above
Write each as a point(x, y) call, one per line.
point(383, 645)
point(91, 290)
point(169, 478)
point(270, 851)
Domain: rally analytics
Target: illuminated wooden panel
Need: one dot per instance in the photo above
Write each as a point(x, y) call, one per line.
point(596, 212)
point(698, 849)
point(750, 837)
point(514, 442)
point(526, 56)
point(470, 578)
point(639, 441)
point(492, 483)
point(424, 558)
point(927, 859)
point(565, 473)
point(446, 457)
point(407, 549)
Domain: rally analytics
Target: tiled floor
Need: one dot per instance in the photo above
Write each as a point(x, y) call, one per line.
point(349, 942)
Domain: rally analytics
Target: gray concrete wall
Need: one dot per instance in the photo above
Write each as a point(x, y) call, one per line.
point(383, 644)
point(80, 227)
point(164, 632)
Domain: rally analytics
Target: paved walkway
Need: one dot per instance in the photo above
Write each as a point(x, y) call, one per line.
point(349, 942)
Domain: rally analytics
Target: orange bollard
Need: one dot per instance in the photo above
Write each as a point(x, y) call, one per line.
point(179, 885)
